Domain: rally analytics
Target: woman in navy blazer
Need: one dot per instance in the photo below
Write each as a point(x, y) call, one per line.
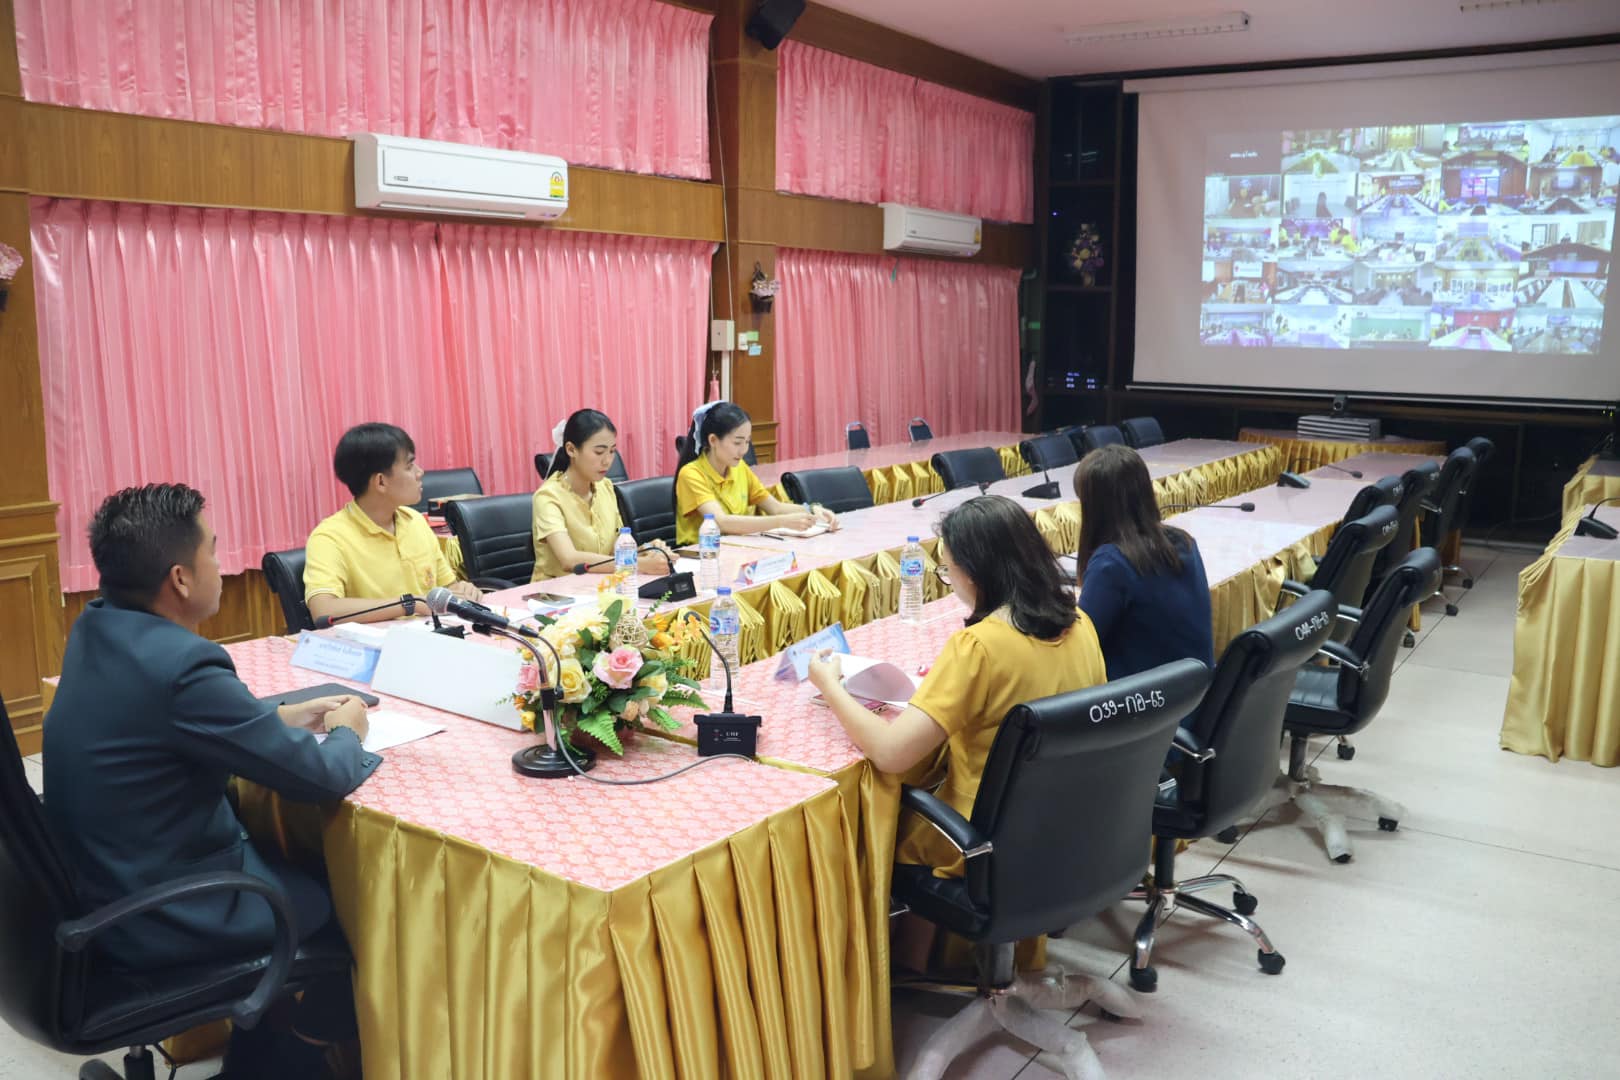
point(1141, 581)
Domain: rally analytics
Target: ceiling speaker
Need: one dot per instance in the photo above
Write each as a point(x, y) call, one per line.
point(772, 20)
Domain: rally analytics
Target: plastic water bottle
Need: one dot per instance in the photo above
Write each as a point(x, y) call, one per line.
point(624, 562)
point(911, 581)
point(725, 627)
point(709, 554)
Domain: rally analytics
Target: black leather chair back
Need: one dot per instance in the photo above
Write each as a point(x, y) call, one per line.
point(1346, 567)
point(616, 471)
point(1241, 717)
point(1066, 799)
point(1415, 486)
point(496, 535)
point(1099, 435)
point(964, 468)
point(1377, 640)
point(1384, 492)
point(442, 483)
point(1142, 431)
point(839, 490)
point(920, 430)
point(648, 507)
point(856, 437)
point(1483, 450)
point(1456, 476)
point(36, 893)
point(284, 573)
point(1048, 452)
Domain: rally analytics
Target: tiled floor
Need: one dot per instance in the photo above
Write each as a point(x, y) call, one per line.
point(1476, 942)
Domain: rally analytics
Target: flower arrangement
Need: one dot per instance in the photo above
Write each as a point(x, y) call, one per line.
point(617, 673)
point(10, 262)
point(1085, 253)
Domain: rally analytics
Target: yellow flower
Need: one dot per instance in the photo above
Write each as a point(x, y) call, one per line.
point(657, 682)
point(663, 641)
point(527, 716)
point(573, 683)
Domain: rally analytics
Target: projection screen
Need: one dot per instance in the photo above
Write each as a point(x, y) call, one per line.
point(1426, 230)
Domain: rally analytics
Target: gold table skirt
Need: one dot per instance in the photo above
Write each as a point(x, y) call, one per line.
point(1303, 455)
point(1584, 489)
point(1564, 699)
point(749, 958)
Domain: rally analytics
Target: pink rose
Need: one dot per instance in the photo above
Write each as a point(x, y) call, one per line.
point(618, 668)
point(528, 679)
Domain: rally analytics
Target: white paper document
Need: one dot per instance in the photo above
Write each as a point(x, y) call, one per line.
point(878, 680)
point(799, 534)
point(390, 729)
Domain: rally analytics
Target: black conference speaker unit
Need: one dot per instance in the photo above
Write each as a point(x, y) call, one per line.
point(772, 20)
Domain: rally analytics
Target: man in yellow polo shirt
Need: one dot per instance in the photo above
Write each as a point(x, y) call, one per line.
point(376, 548)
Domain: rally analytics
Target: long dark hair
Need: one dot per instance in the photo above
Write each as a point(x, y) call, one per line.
point(580, 426)
point(997, 545)
point(1117, 506)
point(721, 420)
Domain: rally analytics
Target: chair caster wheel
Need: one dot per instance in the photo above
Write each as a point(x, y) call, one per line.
point(1228, 835)
point(1342, 859)
point(1346, 751)
point(1451, 609)
point(1272, 963)
point(1244, 903)
point(1144, 980)
point(1388, 824)
point(1468, 583)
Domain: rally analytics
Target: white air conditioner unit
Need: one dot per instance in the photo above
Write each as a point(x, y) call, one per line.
point(424, 176)
point(934, 232)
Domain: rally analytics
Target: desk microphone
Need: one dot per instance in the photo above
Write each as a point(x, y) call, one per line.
point(1339, 468)
point(726, 731)
point(1589, 525)
point(1247, 507)
point(326, 622)
point(442, 601)
point(984, 485)
point(675, 586)
point(1048, 490)
point(1292, 480)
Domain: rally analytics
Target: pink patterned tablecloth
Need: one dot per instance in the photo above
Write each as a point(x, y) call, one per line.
point(460, 782)
point(889, 454)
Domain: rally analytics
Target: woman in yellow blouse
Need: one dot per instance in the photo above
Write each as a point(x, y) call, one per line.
point(714, 479)
point(1024, 640)
point(576, 516)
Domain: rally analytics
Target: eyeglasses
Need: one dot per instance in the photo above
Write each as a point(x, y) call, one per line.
point(942, 574)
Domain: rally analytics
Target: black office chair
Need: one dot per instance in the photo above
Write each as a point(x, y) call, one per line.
point(648, 507)
point(1045, 452)
point(920, 431)
point(1224, 761)
point(1415, 486)
point(1098, 435)
point(442, 483)
point(284, 573)
point(839, 490)
point(1142, 431)
point(856, 437)
point(1346, 567)
point(1440, 513)
point(1057, 832)
point(58, 991)
point(1343, 698)
point(964, 468)
point(616, 471)
point(1385, 491)
point(1076, 434)
point(496, 535)
point(1483, 450)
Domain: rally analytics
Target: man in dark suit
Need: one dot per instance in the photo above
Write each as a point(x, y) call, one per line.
point(149, 725)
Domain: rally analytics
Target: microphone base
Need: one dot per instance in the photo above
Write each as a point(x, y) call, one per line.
point(1597, 530)
point(451, 631)
point(1293, 480)
point(726, 733)
point(544, 763)
point(678, 586)
point(1048, 490)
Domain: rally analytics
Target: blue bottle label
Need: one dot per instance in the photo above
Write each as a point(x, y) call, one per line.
point(911, 568)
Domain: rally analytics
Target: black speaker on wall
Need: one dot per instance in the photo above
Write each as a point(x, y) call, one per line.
point(772, 20)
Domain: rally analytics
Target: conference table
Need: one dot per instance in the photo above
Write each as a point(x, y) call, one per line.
point(1597, 479)
point(1303, 452)
point(1564, 699)
point(898, 471)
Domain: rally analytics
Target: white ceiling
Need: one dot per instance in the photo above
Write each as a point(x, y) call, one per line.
point(1026, 36)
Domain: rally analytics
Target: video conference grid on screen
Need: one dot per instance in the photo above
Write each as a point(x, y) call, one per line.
point(1493, 236)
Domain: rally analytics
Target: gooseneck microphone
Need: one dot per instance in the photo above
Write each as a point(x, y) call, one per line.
point(725, 728)
point(1589, 525)
point(984, 485)
point(1246, 507)
point(1047, 490)
point(326, 622)
point(1340, 468)
point(672, 586)
point(1292, 480)
point(442, 601)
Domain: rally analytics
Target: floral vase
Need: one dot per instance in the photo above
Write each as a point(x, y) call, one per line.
point(1087, 278)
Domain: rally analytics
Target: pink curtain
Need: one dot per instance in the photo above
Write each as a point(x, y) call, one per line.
point(619, 84)
point(851, 130)
point(881, 340)
point(229, 350)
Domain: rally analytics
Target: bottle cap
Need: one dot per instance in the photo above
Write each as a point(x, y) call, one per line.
point(724, 590)
point(911, 539)
point(708, 517)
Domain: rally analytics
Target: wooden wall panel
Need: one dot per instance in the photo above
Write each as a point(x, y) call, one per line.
point(247, 610)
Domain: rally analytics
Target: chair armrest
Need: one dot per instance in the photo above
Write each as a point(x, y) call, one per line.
point(1295, 588)
point(75, 934)
point(1184, 743)
point(1351, 615)
point(952, 825)
point(1430, 507)
point(1341, 654)
point(493, 584)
